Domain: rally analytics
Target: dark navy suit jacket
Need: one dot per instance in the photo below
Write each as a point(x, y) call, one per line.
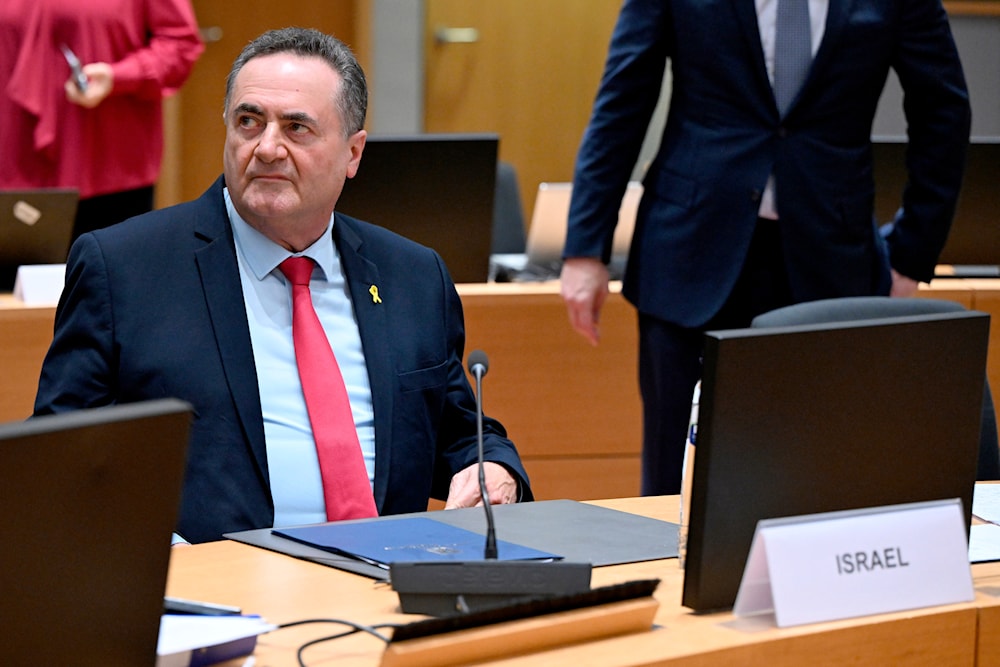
point(153, 307)
point(724, 136)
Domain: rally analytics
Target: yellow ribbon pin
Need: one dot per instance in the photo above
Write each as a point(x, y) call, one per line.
point(373, 290)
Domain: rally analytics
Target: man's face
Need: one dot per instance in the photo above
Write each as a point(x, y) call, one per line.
point(286, 158)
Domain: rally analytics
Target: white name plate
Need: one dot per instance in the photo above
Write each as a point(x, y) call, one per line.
point(39, 284)
point(824, 567)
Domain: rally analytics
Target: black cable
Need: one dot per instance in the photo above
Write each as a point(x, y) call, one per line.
point(354, 628)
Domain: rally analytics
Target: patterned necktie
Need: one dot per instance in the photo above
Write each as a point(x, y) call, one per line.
point(792, 50)
point(346, 488)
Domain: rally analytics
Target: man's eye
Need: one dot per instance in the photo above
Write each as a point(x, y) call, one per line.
point(298, 128)
point(247, 121)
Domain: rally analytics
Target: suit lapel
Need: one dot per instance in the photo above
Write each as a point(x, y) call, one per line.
point(836, 19)
point(220, 280)
point(746, 15)
point(371, 305)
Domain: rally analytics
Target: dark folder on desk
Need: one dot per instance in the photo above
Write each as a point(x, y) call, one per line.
point(579, 532)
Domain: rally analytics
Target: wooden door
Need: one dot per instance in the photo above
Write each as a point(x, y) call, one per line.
point(195, 127)
point(525, 69)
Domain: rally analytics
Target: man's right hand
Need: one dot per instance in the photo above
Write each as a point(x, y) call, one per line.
point(584, 289)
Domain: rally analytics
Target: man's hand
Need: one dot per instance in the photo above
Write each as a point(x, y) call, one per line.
point(100, 81)
point(902, 286)
point(464, 490)
point(584, 290)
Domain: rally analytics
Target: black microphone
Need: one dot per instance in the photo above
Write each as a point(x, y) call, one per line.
point(449, 588)
point(478, 365)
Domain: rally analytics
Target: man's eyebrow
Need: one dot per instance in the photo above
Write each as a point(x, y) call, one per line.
point(299, 117)
point(293, 116)
point(246, 107)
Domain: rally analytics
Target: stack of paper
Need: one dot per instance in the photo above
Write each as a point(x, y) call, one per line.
point(188, 640)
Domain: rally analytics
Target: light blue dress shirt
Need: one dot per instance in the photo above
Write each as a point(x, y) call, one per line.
point(293, 467)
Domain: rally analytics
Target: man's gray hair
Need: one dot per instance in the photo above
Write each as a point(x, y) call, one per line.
point(353, 98)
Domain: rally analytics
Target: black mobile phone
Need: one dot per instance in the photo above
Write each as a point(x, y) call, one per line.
point(172, 605)
point(79, 78)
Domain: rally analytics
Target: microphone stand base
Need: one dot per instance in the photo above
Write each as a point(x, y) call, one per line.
point(449, 588)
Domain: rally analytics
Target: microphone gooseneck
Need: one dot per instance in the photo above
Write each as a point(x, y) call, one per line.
point(442, 588)
point(478, 365)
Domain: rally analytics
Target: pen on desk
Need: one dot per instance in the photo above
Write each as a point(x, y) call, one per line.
point(79, 78)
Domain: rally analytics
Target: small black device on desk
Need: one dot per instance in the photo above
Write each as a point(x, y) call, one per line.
point(172, 605)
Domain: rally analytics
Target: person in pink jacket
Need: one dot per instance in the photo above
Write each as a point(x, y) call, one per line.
point(105, 139)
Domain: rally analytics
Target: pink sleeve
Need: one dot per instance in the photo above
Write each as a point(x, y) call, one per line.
point(159, 68)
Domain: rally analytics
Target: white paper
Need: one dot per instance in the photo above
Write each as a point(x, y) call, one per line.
point(39, 284)
point(984, 543)
point(986, 502)
point(180, 634)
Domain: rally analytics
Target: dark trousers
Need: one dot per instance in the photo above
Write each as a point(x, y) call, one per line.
point(105, 210)
point(670, 358)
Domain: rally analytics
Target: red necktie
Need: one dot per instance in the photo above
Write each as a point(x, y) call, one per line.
point(346, 488)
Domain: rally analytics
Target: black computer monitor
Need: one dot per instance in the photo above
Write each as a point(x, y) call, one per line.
point(436, 189)
point(816, 418)
point(974, 239)
point(36, 227)
point(89, 502)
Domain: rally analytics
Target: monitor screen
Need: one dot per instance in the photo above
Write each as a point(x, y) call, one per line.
point(436, 189)
point(817, 418)
point(36, 227)
point(974, 239)
point(550, 217)
point(89, 500)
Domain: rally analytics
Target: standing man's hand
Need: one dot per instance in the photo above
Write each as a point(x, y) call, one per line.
point(902, 286)
point(584, 290)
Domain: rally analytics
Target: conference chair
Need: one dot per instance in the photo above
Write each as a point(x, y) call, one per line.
point(851, 309)
point(509, 235)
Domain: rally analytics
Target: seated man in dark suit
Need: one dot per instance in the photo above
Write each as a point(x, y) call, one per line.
point(193, 302)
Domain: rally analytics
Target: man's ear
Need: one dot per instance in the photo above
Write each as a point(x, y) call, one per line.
point(356, 144)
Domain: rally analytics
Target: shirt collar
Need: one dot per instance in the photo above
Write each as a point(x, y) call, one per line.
point(263, 255)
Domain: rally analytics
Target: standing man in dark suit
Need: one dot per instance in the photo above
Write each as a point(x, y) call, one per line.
point(191, 302)
point(753, 202)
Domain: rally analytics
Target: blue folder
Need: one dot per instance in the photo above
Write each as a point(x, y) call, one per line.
point(407, 540)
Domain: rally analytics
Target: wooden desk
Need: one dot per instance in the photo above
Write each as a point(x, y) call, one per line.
point(282, 590)
point(987, 578)
point(573, 410)
point(25, 334)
